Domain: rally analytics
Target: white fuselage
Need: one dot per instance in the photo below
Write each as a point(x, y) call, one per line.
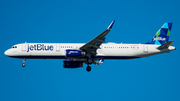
point(106, 51)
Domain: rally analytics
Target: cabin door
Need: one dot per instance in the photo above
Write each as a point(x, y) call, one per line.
point(24, 47)
point(145, 50)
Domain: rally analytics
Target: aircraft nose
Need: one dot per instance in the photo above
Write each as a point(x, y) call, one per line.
point(6, 52)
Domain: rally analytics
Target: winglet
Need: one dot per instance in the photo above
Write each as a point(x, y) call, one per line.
point(110, 26)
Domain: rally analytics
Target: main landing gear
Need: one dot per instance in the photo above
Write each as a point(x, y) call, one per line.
point(88, 68)
point(24, 61)
point(89, 61)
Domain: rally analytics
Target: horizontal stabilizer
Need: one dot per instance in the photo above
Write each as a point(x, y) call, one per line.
point(166, 45)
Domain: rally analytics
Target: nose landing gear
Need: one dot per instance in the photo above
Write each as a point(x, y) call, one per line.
point(24, 61)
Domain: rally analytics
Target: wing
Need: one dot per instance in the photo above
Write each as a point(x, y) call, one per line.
point(91, 47)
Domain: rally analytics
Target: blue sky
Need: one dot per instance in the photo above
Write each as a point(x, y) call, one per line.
point(154, 78)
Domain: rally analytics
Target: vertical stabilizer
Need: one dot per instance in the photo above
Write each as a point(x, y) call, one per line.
point(162, 35)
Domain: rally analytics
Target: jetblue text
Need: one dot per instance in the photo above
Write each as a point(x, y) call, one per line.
point(40, 47)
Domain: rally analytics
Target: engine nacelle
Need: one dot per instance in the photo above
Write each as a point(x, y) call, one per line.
point(74, 53)
point(72, 64)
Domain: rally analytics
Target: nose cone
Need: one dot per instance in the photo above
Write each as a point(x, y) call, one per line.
point(7, 53)
point(10, 53)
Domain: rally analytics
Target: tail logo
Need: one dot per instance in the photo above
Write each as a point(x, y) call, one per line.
point(162, 35)
point(160, 39)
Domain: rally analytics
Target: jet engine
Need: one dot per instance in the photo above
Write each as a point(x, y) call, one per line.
point(74, 53)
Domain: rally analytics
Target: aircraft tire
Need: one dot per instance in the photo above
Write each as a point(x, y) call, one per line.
point(23, 65)
point(88, 68)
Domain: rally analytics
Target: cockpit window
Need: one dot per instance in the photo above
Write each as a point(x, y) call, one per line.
point(14, 46)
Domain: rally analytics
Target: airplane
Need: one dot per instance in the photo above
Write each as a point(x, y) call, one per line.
point(75, 54)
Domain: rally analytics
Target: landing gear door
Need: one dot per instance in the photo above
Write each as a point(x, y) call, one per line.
point(145, 49)
point(24, 47)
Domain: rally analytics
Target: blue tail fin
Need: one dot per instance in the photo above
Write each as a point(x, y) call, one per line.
point(162, 35)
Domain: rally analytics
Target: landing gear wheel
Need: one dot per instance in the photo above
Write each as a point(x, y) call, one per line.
point(24, 61)
point(23, 64)
point(88, 68)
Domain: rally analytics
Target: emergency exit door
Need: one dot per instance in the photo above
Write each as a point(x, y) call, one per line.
point(58, 47)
